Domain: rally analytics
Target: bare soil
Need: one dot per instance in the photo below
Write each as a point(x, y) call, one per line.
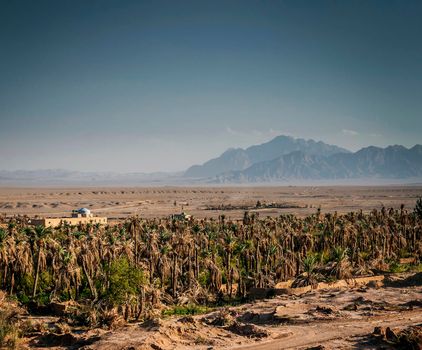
point(163, 201)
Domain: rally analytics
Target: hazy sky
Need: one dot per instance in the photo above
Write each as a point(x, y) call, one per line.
point(159, 85)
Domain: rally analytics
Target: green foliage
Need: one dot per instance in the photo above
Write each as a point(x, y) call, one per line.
point(24, 288)
point(418, 208)
point(41, 232)
point(338, 254)
point(46, 281)
point(125, 280)
point(3, 235)
point(395, 267)
point(204, 278)
point(310, 263)
point(79, 234)
point(365, 255)
point(417, 268)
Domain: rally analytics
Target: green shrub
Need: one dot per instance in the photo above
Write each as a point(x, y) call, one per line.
point(395, 267)
point(204, 278)
point(125, 280)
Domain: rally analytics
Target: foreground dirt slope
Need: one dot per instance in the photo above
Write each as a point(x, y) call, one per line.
point(332, 319)
point(163, 201)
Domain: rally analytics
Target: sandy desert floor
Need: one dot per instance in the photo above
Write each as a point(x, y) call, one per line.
point(342, 318)
point(163, 201)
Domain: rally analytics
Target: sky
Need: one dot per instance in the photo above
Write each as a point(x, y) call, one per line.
point(145, 86)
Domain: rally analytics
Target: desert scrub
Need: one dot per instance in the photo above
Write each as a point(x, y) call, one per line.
point(9, 332)
point(417, 268)
point(396, 267)
point(186, 310)
point(10, 327)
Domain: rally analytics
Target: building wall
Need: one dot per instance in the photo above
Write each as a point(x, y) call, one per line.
point(54, 222)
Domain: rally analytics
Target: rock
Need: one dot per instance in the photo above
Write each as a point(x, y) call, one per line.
point(379, 331)
point(58, 309)
point(325, 310)
point(351, 307)
point(247, 330)
point(390, 335)
point(156, 347)
point(222, 318)
point(375, 284)
point(152, 324)
point(51, 339)
point(413, 303)
point(186, 319)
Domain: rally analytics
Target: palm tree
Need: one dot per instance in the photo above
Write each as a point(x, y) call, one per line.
point(341, 267)
point(309, 277)
point(40, 234)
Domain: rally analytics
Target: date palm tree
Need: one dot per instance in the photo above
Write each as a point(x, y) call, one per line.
point(40, 235)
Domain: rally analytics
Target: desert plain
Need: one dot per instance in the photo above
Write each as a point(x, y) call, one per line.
point(203, 202)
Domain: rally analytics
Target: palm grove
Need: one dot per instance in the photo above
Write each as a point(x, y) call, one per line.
point(140, 267)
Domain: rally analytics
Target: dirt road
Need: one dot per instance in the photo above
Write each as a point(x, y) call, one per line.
point(339, 334)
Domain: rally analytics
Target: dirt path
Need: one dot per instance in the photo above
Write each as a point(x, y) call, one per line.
point(324, 333)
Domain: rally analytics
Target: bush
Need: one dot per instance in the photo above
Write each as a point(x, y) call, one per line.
point(125, 279)
point(395, 267)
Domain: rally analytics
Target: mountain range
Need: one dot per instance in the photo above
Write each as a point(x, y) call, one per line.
point(285, 158)
point(237, 159)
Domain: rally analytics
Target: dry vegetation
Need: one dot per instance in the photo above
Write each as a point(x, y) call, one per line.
point(143, 270)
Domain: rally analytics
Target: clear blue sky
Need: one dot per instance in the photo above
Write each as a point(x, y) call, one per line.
point(160, 85)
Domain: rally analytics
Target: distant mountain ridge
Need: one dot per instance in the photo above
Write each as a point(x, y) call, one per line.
point(281, 160)
point(393, 162)
point(238, 159)
point(285, 159)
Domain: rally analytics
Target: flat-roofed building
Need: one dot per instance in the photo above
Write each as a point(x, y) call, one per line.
point(78, 217)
